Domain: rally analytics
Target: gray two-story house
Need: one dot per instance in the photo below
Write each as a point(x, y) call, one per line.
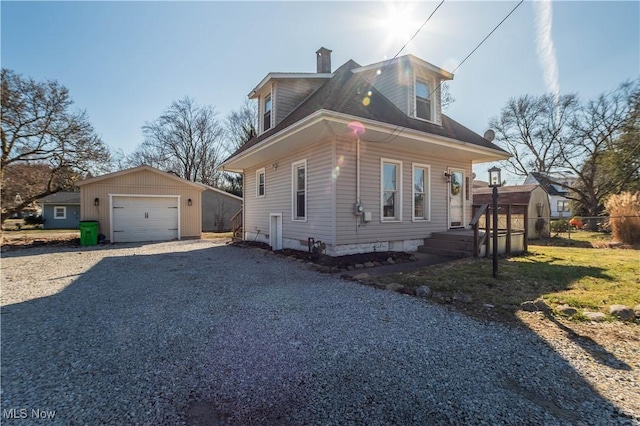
point(361, 158)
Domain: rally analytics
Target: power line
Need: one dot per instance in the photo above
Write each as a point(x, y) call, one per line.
point(393, 134)
point(417, 32)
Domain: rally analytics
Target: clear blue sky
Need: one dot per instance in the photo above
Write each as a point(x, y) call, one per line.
point(124, 62)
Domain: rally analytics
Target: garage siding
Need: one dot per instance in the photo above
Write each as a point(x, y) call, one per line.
point(143, 182)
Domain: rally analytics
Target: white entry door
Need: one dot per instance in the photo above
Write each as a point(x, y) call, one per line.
point(275, 231)
point(456, 198)
point(144, 219)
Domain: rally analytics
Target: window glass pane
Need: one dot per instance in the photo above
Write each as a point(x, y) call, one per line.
point(389, 204)
point(423, 109)
point(300, 204)
point(300, 178)
point(418, 180)
point(389, 178)
point(422, 90)
point(267, 104)
point(419, 205)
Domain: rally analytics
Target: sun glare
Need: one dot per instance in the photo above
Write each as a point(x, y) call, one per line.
point(399, 23)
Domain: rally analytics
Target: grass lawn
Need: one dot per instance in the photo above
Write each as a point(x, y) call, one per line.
point(590, 279)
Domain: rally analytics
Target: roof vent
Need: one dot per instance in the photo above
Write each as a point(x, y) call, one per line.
point(323, 58)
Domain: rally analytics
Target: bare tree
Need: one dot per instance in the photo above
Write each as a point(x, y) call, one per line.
point(446, 98)
point(185, 140)
point(604, 148)
point(38, 129)
point(533, 130)
point(241, 126)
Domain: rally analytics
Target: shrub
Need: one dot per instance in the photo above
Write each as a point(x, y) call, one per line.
point(33, 220)
point(559, 225)
point(624, 212)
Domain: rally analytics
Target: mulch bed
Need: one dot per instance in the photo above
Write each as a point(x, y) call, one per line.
point(341, 262)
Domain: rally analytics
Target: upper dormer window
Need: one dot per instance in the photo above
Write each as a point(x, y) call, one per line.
point(423, 100)
point(267, 113)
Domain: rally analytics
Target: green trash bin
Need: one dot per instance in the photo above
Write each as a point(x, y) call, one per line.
point(89, 232)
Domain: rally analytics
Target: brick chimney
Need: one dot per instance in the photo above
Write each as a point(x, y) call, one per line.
point(323, 57)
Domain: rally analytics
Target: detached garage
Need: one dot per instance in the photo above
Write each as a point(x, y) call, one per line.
point(142, 204)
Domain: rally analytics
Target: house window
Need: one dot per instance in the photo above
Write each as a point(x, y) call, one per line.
point(563, 205)
point(60, 212)
point(299, 186)
point(391, 194)
point(267, 113)
point(260, 182)
point(423, 100)
point(421, 192)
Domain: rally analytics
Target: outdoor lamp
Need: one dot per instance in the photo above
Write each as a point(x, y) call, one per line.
point(495, 178)
point(189, 202)
point(96, 202)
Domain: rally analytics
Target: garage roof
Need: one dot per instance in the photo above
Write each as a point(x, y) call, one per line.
point(197, 185)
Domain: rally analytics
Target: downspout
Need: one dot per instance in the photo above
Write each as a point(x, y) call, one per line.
point(358, 170)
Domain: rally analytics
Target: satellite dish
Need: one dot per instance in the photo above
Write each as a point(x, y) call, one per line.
point(489, 135)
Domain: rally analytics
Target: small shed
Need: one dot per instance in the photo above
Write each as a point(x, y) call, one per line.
point(61, 210)
point(218, 207)
point(532, 195)
point(143, 204)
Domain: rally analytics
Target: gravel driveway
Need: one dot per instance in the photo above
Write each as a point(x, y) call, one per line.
point(195, 332)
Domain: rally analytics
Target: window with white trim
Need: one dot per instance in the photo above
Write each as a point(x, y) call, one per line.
point(423, 100)
point(260, 182)
point(421, 192)
point(267, 113)
point(563, 205)
point(391, 190)
point(60, 212)
point(299, 189)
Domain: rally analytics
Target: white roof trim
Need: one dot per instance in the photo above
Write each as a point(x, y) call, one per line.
point(197, 185)
point(324, 114)
point(413, 59)
point(284, 76)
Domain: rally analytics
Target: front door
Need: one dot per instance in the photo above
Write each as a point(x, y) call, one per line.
point(456, 199)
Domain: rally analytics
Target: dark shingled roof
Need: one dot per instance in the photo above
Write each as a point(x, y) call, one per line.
point(61, 198)
point(547, 184)
point(514, 194)
point(344, 92)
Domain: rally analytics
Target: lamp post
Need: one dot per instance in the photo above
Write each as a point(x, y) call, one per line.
point(495, 180)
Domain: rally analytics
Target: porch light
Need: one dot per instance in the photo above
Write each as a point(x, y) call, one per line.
point(495, 177)
point(96, 202)
point(189, 202)
point(495, 180)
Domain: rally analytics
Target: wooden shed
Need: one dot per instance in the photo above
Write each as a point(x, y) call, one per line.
point(532, 195)
point(142, 204)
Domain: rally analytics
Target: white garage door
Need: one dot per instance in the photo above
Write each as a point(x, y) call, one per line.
point(144, 219)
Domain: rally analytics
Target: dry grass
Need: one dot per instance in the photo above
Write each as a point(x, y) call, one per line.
point(588, 279)
point(624, 210)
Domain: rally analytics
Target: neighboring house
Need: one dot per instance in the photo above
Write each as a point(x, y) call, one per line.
point(534, 196)
point(61, 210)
point(361, 159)
point(218, 207)
point(555, 185)
point(143, 204)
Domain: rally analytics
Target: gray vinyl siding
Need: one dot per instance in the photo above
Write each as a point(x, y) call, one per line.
point(290, 93)
point(347, 229)
point(70, 222)
point(278, 195)
point(394, 85)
